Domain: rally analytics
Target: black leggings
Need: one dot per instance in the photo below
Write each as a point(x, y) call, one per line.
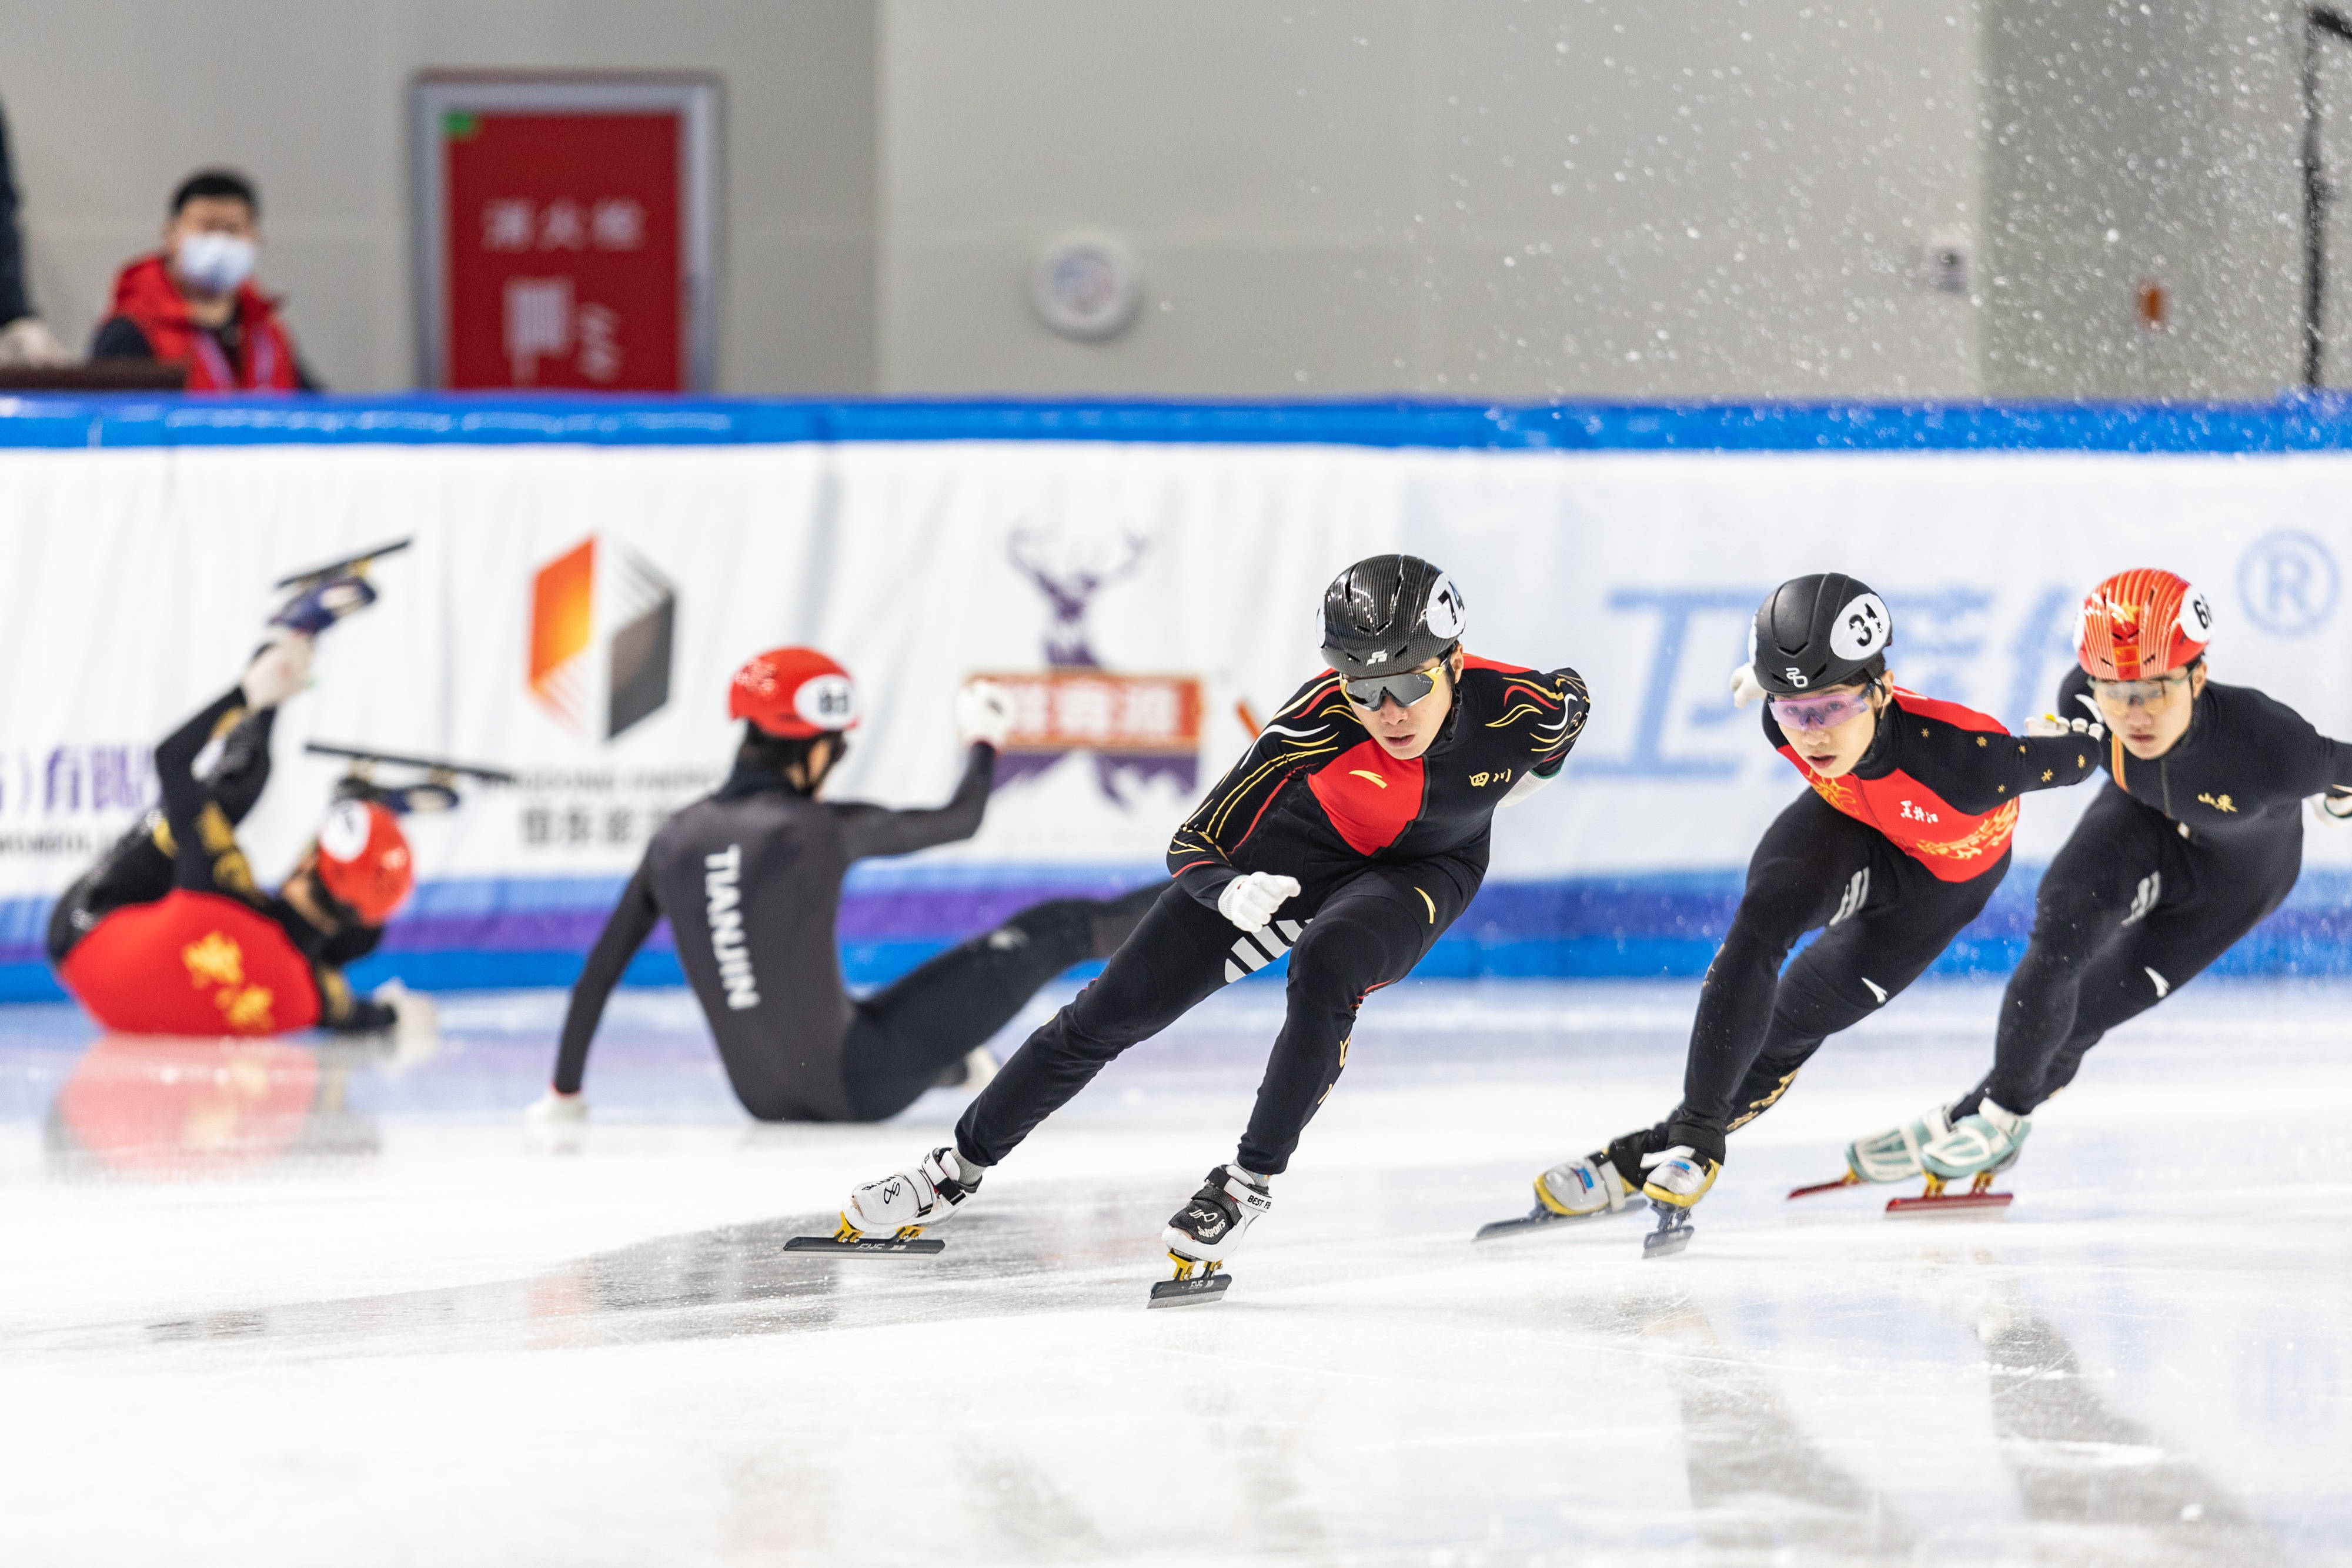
point(2127, 914)
point(1365, 930)
point(1887, 917)
point(906, 1035)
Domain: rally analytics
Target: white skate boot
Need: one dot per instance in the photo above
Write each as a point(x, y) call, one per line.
point(1678, 1177)
point(890, 1214)
point(1987, 1142)
point(1894, 1155)
point(1210, 1226)
point(1586, 1188)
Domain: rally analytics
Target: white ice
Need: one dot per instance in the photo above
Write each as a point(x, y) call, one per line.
point(388, 1327)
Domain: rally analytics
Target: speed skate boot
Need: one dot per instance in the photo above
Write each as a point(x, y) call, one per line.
point(1573, 1190)
point(1209, 1225)
point(1678, 1177)
point(1890, 1155)
point(1976, 1148)
point(889, 1215)
point(320, 604)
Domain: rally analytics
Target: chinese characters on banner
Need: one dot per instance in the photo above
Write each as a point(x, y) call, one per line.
point(562, 251)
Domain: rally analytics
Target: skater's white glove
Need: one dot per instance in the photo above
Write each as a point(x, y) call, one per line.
point(2050, 727)
point(416, 1025)
point(1249, 902)
point(28, 340)
point(983, 713)
point(1745, 687)
point(279, 669)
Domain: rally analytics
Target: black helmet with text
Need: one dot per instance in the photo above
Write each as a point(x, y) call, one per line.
point(1817, 632)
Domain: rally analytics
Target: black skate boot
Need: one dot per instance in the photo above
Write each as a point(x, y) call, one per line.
point(1207, 1228)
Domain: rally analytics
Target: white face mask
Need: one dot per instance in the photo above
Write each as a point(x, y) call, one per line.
point(215, 263)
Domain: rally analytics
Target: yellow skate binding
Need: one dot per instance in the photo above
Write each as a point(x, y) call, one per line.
point(1678, 1181)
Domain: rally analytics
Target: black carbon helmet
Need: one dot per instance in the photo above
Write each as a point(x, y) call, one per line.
point(1815, 632)
point(1390, 613)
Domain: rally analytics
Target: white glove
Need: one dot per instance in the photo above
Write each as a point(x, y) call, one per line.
point(2050, 727)
point(1745, 687)
point(1249, 902)
point(557, 1109)
point(279, 669)
point(28, 340)
point(416, 1025)
point(983, 713)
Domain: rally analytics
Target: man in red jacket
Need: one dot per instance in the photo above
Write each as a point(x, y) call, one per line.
point(194, 302)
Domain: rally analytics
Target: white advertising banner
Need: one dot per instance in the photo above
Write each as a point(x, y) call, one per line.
point(574, 613)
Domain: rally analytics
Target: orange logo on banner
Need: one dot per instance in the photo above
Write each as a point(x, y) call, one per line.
point(598, 597)
point(1055, 711)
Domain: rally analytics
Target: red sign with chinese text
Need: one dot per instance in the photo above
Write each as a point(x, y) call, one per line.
point(561, 255)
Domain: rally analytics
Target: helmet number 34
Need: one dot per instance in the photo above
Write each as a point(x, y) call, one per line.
point(1861, 629)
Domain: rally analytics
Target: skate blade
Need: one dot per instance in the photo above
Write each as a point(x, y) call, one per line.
point(1954, 1203)
point(887, 1246)
point(1847, 1180)
point(1186, 1292)
point(1542, 1218)
point(1666, 1242)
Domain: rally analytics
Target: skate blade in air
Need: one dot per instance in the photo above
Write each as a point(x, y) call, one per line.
point(1542, 1218)
point(329, 571)
point(1194, 1283)
point(1674, 1233)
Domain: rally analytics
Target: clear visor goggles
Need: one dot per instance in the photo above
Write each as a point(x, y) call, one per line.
point(1823, 711)
point(1407, 688)
point(2152, 693)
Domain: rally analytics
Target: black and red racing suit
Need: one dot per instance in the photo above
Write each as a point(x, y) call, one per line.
point(1387, 854)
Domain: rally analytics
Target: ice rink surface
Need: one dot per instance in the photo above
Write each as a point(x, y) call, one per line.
point(269, 1304)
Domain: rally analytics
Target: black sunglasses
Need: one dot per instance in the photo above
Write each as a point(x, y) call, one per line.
point(1407, 688)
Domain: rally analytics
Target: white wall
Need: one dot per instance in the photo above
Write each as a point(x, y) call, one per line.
point(2130, 142)
point(1462, 197)
point(1448, 196)
point(111, 102)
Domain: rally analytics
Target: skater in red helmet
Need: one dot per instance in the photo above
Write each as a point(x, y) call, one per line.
point(749, 878)
point(1350, 835)
point(169, 933)
point(1899, 838)
point(2196, 836)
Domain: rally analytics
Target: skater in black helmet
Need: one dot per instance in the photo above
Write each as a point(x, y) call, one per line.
point(2197, 837)
point(1350, 835)
point(749, 878)
point(1900, 838)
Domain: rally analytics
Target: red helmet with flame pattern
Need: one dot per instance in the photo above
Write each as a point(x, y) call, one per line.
point(2140, 623)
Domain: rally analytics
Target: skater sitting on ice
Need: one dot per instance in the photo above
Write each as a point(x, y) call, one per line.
point(749, 878)
point(1350, 835)
point(1900, 838)
point(2196, 836)
point(168, 933)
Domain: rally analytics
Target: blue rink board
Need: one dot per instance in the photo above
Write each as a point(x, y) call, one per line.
point(1661, 926)
point(501, 934)
point(2295, 421)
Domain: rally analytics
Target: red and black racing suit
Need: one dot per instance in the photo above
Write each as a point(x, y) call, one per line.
point(1893, 858)
point(2176, 859)
point(203, 950)
point(1387, 854)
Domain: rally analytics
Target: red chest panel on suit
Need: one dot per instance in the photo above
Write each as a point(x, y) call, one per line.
point(1369, 796)
point(191, 963)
